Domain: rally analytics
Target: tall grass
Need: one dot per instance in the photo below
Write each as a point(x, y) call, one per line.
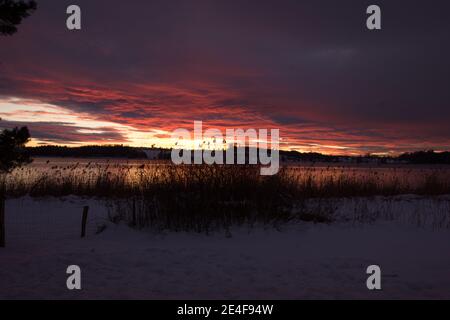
point(117, 180)
point(203, 198)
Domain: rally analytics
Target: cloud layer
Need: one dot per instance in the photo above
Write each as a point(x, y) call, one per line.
point(310, 68)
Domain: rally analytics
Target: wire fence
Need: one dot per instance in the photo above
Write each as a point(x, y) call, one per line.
point(30, 220)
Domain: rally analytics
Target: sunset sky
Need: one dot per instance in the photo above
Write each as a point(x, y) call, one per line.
point(139, 69)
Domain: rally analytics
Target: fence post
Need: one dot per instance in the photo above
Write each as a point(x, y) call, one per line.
point(84, 220)
point(2, 221)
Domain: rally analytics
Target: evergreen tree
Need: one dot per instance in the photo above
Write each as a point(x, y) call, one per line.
point(12, 13)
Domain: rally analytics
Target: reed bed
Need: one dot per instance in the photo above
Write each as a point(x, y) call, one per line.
point(203, 198)
point(112, 180)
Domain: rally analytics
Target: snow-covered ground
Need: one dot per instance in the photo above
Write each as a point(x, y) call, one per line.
point(299, 261)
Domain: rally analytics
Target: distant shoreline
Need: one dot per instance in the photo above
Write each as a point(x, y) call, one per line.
point(311, 164)
point(133, 153)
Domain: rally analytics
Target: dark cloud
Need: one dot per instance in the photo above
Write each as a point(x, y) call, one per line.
point(63, 133)
point(290, 63)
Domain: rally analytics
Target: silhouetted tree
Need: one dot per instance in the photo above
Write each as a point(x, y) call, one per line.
point(12, 155)
point(12, 12)
point(12, 142)
point(12, 148)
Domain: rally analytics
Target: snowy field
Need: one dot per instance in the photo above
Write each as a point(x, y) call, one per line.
point(301, 261)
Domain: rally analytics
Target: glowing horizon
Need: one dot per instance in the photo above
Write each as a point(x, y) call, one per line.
point(30, 112)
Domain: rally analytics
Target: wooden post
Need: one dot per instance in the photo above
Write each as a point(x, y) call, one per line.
point(84, 220)
point(2, 222)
